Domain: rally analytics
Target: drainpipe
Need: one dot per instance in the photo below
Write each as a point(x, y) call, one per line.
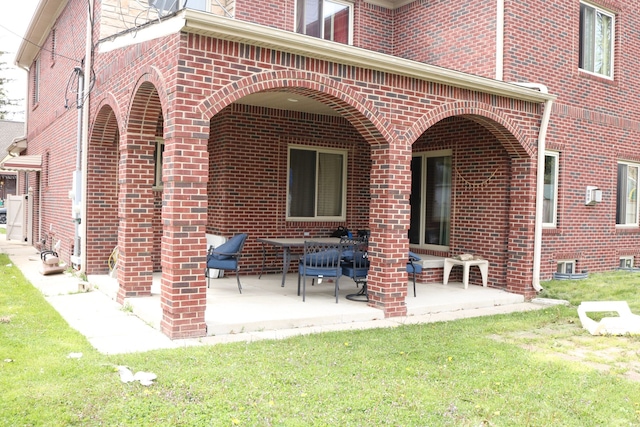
point(542, 137)
point(85, 137)
point(499, 39)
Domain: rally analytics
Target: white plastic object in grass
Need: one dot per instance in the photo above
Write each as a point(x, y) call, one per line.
point(625, 323)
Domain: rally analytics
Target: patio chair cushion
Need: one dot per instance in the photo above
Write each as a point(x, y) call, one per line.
point(414, 268)
point(230, 248)
point(414, 256)
point(222, 264)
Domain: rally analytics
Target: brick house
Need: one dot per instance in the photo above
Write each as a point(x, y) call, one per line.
point(165, 123)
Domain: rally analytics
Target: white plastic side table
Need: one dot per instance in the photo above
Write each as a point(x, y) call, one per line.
point(482, 264)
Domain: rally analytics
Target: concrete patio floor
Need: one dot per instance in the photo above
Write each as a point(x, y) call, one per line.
point(265, 305)
point(264, 310)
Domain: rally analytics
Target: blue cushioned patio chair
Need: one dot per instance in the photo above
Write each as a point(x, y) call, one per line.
point(355, 260)
point(414, 268)
point(226, 257)
point(320, 260)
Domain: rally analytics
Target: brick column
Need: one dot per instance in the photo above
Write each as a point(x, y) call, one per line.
point(135, 211)
point(389, 222)
point(521, 227)
point(184, 217)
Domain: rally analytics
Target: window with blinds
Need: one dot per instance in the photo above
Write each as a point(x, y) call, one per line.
point(316, 187)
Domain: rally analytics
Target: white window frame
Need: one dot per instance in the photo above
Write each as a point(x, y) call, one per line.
point(597, 11)
point(626, 224)
point(626, 261)
point(554, 195)
point(159, 162)
point(318, 150)
point(564, 263)
point(423, 206)
point(341, 2)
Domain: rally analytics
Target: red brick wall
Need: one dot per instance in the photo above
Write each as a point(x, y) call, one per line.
point(373, 28)
point(450, 34)
point(594, 124)
point(52, 127)
point(248, 171)
point(272, 13)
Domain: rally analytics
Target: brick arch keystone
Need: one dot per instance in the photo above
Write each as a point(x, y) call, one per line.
point(503, 128)
point(361, 113)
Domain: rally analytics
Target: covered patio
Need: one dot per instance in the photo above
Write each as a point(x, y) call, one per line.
point(266, 306)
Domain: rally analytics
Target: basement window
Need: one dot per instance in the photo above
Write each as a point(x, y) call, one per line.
point(626, 262)
point(566, 267)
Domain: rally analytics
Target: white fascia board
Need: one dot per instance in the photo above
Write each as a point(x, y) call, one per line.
point(300, 44)
point(207, 24)
point(155, 31)
point(389, 4)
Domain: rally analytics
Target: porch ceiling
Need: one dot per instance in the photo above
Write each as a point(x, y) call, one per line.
point(287, 101)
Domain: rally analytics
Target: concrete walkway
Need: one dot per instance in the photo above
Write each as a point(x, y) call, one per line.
point(264, 310)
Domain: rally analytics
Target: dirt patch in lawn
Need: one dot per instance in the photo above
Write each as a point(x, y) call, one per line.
point(618, 355)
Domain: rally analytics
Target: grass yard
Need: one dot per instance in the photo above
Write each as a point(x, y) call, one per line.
point(525, 369)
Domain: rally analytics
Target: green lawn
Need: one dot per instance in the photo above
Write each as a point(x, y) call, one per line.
point(524, 369)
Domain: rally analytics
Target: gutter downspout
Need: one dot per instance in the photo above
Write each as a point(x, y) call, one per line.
point(542, 137)
point(499, 39)
point(85, 137)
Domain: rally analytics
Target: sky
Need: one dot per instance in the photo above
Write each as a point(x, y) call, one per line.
point(14, 20)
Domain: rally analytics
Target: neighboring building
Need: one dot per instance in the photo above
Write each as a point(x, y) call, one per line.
point(10, 132)
point(498, 128)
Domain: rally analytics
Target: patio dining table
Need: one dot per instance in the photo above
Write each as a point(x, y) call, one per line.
point(287, 243)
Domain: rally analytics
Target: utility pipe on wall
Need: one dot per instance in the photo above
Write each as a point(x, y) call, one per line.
point(85, 135)
point(499, 39)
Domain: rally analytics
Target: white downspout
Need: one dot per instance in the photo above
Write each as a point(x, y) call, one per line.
point(542, 137)
point(499, 39)
point(85, 136)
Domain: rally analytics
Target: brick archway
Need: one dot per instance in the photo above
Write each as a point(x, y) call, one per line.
point(361, 113)
point(102, 188)
point(512, 251)
point(136, 198)
point(510, 136)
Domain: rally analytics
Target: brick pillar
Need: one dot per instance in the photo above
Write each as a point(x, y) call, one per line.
point(135, 211)
point(184, 216)
point(521, 227)
point(389, 222)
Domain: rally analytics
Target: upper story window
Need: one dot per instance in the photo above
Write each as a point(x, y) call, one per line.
point(326, 19)
point(174, 5)
point(627, 194)
point(316, 184)
point(596, 40)
point(550, 197)
point(430, 224)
